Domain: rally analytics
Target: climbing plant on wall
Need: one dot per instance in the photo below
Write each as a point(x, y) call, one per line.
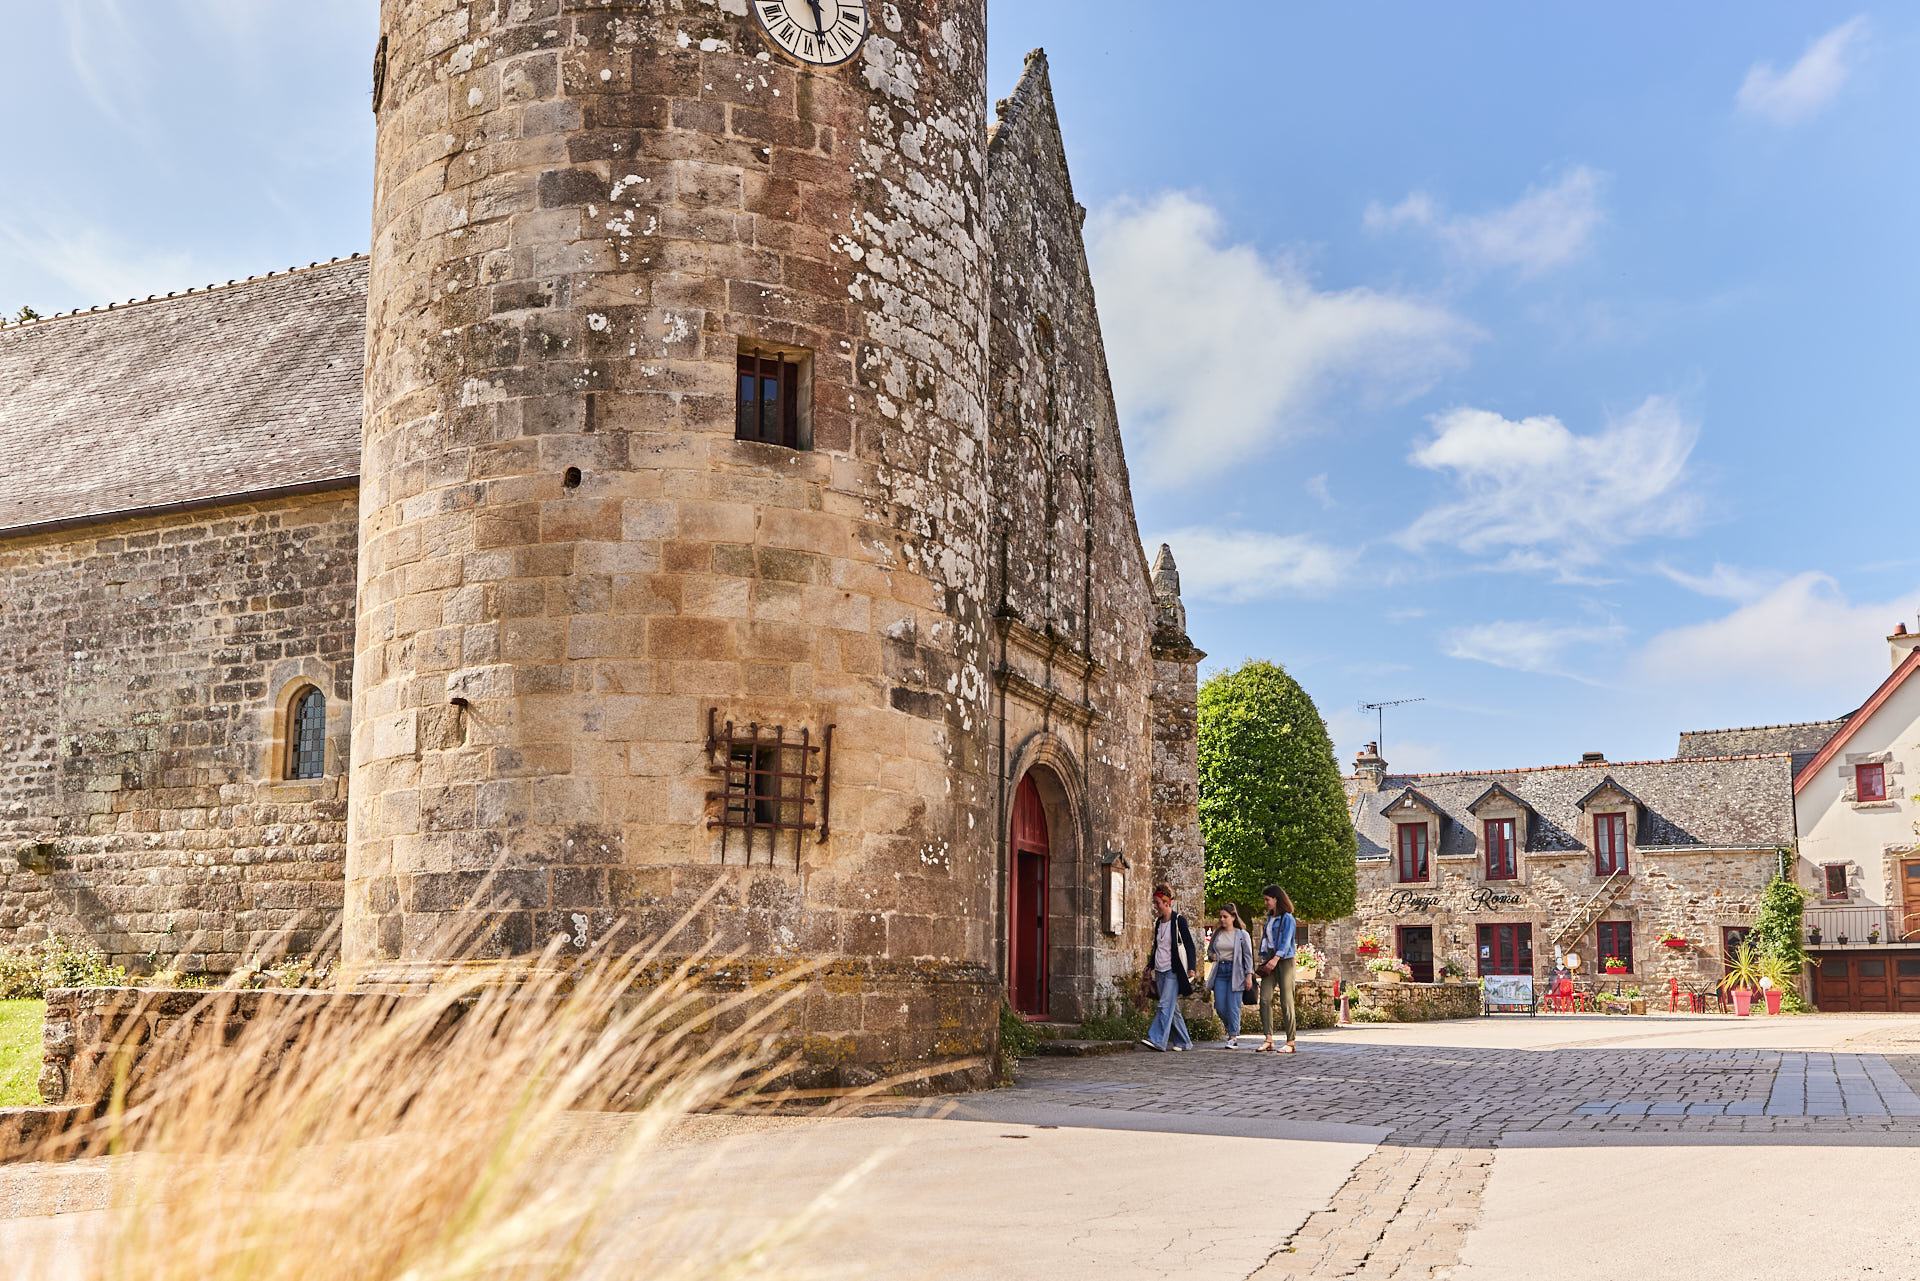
point(1272, 808)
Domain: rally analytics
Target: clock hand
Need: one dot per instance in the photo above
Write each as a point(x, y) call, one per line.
point(819, 23)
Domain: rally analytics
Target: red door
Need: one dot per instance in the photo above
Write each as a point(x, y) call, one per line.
point(1027, 912)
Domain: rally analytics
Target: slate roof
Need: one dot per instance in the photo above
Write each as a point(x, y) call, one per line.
point(1802, 740)
point(1729, 802)
point(218, 392)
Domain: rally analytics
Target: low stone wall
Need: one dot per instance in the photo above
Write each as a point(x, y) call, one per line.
point(1417, 1002)
point(928, 1029)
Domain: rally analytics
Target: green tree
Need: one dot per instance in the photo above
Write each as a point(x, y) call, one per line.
point(1272, 808)
point(1778, 931)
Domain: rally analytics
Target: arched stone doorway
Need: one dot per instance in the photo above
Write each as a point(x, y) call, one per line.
point(1030, 876)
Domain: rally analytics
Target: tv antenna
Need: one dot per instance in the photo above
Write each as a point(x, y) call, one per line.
point(1380, 713)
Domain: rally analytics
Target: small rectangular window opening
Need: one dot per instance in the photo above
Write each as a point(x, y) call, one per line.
point(772, 783)
point(1870, 782)
point(768, 405)
point(307, 739)
point(1609, 844)
point(1836, 880)
point(1501, 862)
point(1616, 940)
point(1413, 851)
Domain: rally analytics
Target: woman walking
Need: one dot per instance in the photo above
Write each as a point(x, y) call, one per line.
point(1232, 956)
point(1276, 966)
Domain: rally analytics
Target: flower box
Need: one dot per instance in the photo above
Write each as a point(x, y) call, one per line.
point(1386, 976)
point(1616, 969)
point(1673, 943)
point(1367, 949)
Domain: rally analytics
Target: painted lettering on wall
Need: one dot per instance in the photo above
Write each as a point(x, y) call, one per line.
point(1401, 901)
point(1485, 898)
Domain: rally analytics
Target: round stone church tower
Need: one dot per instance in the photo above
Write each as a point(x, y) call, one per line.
point(673, 518)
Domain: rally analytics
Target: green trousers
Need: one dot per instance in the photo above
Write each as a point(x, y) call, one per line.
point(1281, 981)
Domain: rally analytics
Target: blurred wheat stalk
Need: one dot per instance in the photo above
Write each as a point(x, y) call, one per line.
point(429, 1138)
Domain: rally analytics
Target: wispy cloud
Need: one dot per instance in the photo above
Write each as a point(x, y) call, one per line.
point(1722, 582)
point(1546, 227)
point(108, 59)
point(1539, 646)
point(1317, 487)
point(1809, 84)
point(100, 269)
point(1551, 499)
point(1220, 352)
point(1803, 634)
point(1236, 566)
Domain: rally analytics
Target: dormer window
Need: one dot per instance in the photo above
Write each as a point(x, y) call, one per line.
point(1609, 844)
point(1502, 862)
point(1870, 782)
point(1412, 842)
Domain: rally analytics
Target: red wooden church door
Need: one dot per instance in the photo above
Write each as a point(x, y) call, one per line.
point(1027, 915)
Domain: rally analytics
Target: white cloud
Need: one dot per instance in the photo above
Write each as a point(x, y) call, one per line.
point(1551, 499)
point(1529, 646)
point(100, 270)
point(1803, 634)
point(1809, 84)
point(1724, 582)
point(1219, 352)
point(1546, 227)
point(1235, 566)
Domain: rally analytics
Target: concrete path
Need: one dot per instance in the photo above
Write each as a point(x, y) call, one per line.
point(1565, 1147)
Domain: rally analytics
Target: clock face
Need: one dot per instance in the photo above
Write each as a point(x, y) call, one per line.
point(823, 33)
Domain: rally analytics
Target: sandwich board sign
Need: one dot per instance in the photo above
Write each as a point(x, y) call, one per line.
point(1507, 993)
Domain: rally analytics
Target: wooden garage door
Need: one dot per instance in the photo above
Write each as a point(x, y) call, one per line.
point(1875, 983)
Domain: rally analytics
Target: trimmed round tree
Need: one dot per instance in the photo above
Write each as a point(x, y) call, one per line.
point(1272, 807)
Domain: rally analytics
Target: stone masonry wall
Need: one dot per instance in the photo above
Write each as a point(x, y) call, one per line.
point(1074, 672)
point(583, 216)
point(141, 701)
point(1692, 893)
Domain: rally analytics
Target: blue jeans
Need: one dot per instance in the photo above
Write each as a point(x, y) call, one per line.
point(1226, 1000)
point(1167, 1023)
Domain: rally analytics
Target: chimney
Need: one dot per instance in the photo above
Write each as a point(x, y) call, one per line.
point(1901, 643)
point(1593, 758)
point(1370, 767)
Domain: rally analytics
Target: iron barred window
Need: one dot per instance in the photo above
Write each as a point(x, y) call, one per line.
point(768, 780)
point(307, 736)
point(769, 405)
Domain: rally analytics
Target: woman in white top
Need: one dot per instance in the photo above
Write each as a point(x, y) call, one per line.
point(1232, 957)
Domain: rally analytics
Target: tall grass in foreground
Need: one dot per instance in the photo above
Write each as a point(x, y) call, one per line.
point(429, 1139)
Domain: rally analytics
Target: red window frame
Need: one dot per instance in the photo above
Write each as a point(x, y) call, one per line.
point(1609, 844)
point(1827, 871)
point(1505, 949)
point(1870, 782)
point(1411, 841)
point(1502, 863)
point(1615, 938)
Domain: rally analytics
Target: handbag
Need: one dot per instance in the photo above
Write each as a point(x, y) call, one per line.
point(1249, 996)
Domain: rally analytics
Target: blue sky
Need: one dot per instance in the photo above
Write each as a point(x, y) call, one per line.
point(1550, 364)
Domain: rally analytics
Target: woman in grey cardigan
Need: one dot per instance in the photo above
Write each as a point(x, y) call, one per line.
point(1232, 957)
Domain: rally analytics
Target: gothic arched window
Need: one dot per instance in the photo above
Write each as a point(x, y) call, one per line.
point(307, 735)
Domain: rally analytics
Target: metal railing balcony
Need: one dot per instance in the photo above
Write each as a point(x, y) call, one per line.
point(1859, 926)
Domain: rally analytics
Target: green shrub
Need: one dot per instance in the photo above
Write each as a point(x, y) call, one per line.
point(1117, 1019)
point(1206, 1028)
point(1017, 1037)
point(28, 973)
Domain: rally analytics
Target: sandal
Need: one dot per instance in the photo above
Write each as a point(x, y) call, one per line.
point(1264, 1049)
point(1287, 1049)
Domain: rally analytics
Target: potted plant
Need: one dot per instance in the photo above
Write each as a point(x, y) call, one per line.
point(1615, 965)
point(1389, 969)
point(1670, 939)
point(1452, 970)
point(1813, 935)
point(1842, 939)
point(1308, 962)
point(1776, 976)
point(1873, 935)
point(1369, 944)
point(1744, 972)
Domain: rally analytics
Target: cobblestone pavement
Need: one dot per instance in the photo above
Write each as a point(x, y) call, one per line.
point(1447, 1096)
point(1408, 1207)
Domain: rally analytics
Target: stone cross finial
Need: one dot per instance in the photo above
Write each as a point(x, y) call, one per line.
point(1166, 576)
point(1170, 622)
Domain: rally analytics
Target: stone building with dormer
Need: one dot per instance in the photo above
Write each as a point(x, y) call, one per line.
point(1657, 863)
